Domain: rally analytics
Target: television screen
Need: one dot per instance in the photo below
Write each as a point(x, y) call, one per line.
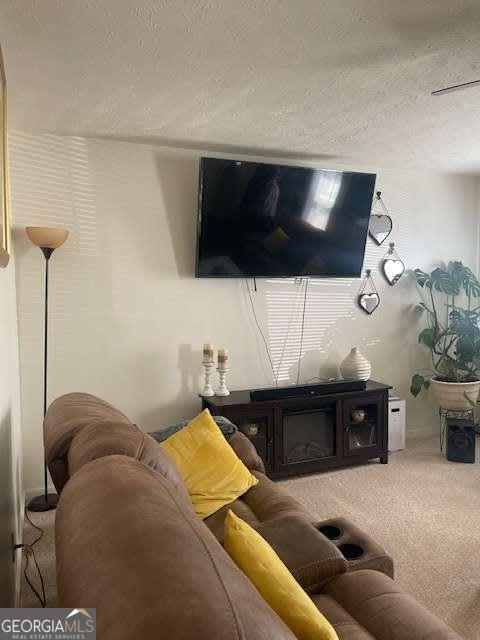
point(265, 220)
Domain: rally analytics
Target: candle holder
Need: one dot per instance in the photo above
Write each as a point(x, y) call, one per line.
point(222, 389)
point(207, 387)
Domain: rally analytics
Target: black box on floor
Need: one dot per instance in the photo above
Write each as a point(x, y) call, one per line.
point(460, 440)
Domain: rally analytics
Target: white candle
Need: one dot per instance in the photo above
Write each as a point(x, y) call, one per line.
point(223, 359)
point(208, 352)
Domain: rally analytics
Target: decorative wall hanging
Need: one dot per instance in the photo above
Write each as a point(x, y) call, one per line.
point(381, 224)
point(4, 214)
point(368, 298)
point(393, 267)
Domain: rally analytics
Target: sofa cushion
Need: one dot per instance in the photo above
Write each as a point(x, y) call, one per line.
point(129, 546)
point(265, 569)
point(383, 609)
point(264, 502)
point(213, 474)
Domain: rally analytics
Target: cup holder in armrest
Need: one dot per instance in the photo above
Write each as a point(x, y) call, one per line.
point(330, 531)
point(351, 551)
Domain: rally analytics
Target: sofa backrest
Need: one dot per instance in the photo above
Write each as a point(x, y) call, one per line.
point(107, 438)
point(66, 417)
point(80, 427)
point(129, 545)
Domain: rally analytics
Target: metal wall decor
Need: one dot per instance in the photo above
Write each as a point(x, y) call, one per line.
point(381, 224)
point(4, 214)
point(393, 267)
point(368, 298)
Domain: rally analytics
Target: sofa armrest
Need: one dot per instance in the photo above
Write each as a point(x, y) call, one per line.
point(381, 608)
point(312, 558)
point(246, 452)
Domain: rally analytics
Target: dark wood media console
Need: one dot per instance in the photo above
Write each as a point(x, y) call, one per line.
point(308, 434)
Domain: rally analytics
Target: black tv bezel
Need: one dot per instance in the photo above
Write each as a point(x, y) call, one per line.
point(258, 276)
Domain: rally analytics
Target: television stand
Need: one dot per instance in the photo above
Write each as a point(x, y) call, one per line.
point(307, 434)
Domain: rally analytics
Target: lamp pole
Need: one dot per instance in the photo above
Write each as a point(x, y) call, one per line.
point(47, 240)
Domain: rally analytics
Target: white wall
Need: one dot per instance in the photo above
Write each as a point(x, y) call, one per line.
point(128, 317)
point(10, 436)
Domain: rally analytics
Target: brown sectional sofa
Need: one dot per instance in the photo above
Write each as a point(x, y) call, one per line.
point(129, 544)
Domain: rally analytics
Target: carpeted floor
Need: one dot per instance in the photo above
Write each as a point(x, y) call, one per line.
point(423, 509)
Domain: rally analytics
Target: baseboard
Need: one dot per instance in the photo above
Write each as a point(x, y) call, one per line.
point(422, 432)
point(19, 555)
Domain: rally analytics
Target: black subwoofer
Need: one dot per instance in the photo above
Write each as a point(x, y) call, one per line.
point(460, 440)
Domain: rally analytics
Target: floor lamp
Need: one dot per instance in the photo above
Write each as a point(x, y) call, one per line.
point(47, 240)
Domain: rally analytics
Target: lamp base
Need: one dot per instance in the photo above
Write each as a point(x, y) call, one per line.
point(39, 503)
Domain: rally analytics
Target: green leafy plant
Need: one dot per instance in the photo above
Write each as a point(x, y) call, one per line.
point(452, 333)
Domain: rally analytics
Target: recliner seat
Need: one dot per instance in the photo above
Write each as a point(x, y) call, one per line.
point(129, 543)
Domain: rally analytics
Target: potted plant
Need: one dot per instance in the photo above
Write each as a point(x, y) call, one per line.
point(452, 335)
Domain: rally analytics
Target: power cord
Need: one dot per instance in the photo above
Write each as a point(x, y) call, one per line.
point(267, 350)
point(302, 330)
point(30, 554)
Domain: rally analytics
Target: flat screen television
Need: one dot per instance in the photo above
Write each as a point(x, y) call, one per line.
point(265, 220)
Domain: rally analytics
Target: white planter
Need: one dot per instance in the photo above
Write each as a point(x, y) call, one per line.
point(451, 395)
point(356, 366)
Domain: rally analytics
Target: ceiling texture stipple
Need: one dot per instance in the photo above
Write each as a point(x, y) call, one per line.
point(350, 81)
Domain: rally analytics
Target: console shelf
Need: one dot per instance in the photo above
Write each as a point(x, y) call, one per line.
point(309, 434)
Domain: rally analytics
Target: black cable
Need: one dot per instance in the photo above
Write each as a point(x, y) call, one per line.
point(30, 553)
point(303, 330)
point(267, 350)
point(35, 527)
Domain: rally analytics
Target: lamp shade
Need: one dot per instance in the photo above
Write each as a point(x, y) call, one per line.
point(46, 237)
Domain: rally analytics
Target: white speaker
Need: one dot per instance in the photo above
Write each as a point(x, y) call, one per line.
point(396, 424)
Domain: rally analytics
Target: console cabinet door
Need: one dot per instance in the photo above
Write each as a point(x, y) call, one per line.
point(364, 426)
point(258, 427)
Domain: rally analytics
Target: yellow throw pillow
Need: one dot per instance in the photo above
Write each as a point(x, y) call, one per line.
point(259, 562)
point(212, 471)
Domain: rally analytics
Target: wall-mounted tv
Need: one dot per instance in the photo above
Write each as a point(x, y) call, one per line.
point(265, 220)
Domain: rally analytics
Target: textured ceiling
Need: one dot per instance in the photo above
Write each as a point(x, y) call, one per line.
point(347, 80)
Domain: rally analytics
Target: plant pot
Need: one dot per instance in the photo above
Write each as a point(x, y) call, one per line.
point(451, 395)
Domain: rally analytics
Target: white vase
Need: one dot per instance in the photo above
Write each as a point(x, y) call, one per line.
point(451, 395)
point(356, 366)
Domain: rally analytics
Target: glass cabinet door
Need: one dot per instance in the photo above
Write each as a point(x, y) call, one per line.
point(258, 430)
point(362, 425)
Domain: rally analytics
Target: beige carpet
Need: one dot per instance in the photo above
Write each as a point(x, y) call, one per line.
point(423, 509)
